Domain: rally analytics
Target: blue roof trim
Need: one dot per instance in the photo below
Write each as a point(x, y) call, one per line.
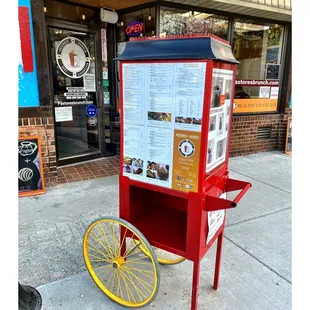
point(183, 48)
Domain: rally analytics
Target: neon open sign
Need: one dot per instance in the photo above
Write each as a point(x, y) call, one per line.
point(134, 29)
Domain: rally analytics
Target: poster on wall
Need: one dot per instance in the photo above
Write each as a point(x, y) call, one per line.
point(219, 120)
point(30, 169)
point(272, 55)
point(162, 123)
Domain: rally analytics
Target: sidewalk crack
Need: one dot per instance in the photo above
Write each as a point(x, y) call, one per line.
point(260, 216)
point(258, 180)
point(258, 260)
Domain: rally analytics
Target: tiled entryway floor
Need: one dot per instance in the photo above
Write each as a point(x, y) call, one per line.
point(89, 170)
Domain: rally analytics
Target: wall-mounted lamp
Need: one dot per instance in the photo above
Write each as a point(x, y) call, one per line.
point(83, 17)
point(45, 9)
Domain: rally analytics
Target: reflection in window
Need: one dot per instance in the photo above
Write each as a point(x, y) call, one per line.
point(177, 21)
point(258, 48)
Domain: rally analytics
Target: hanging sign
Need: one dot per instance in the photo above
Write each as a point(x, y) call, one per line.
point(134, 29)
point(72, 57)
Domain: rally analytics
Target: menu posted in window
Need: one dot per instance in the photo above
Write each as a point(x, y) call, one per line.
point(163, 104)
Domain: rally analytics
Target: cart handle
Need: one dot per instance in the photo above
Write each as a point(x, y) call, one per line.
point(214, 203)
point(240, 195)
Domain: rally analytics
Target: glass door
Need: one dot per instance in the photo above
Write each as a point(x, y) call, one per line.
point(77, 121)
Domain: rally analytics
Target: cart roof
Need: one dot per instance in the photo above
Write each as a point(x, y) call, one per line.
point(177, 47)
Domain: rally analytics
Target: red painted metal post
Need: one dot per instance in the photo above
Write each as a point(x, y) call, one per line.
point(195, 287)
point(123, 241)
point(218, 260)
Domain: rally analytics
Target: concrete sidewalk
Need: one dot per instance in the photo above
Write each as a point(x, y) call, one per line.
point(256, 263)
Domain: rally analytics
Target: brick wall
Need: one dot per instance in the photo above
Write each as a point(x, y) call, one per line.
point(44, 128)
point(244, 134)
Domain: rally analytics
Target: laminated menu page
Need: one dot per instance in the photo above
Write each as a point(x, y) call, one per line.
point(162, 107)
point(219, 119)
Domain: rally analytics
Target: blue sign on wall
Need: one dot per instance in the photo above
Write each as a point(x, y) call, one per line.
point(91, 110)
point(28, 95)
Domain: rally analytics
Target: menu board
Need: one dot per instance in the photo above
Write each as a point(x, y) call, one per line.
point(30, 171)
point(219, 120)
point(163, 104)
point(272, 72)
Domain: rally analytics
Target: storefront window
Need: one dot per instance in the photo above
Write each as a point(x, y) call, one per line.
point(258, 48)
point(69, 12)
point(177, 21)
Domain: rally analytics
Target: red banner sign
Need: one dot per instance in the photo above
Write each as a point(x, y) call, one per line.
point(242, 82)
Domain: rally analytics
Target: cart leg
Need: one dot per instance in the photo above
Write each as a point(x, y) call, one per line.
point(195, 286)
point(218, 260)
point(123, 241)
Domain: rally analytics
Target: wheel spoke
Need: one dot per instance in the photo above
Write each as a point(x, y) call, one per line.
point(134, 286)
point(99, 258)
point(129, 287)
point(94, 248)
point(119, 286)
point(142, 282)
point(105, 238)
point(113, 238)
point(144, 272)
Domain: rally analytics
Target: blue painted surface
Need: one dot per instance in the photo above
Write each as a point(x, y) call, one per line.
point(291, 102)
point(28, 95)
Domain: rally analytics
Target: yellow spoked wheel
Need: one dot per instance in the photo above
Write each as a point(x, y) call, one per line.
point(115, 263)
point(163, 257)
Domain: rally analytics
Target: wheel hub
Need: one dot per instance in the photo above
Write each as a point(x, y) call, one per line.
point(118, 262)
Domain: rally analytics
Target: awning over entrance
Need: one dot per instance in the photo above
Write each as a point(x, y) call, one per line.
point(280, 10)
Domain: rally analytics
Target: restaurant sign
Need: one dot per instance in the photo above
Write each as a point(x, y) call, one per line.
point(72, 57)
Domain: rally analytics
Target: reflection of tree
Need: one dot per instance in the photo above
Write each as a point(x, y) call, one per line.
point(176, 23)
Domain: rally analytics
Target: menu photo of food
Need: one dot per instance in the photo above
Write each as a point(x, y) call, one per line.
point(127, 164)
point(157, 171)
point(159, 116)
point(188, 120)
point(137, 166)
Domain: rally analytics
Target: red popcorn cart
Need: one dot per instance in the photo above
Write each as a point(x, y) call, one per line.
point(176, 103)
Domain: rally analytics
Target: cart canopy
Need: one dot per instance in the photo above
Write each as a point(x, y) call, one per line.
point(200, 47)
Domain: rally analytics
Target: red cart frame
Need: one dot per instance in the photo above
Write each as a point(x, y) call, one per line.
point(183, 216)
